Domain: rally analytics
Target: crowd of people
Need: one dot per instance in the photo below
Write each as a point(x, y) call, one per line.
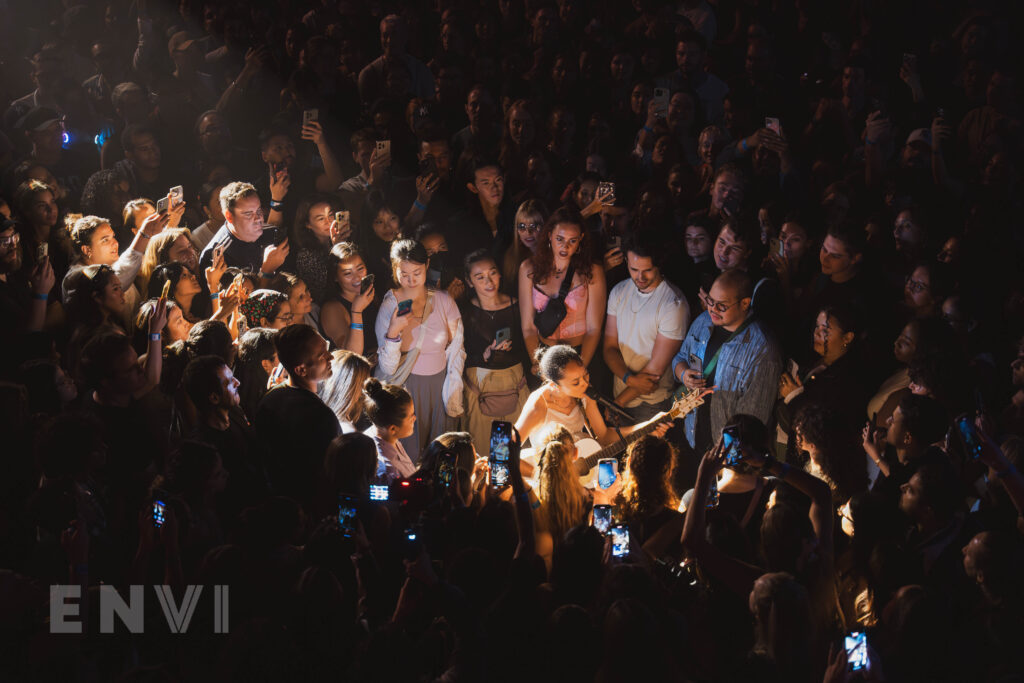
point(340, 305)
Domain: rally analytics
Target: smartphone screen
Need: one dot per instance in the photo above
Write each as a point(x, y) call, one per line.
point(603, 518)
point(347, 515)
point(177, 195)
point(158, 513)
point(161, 205)
point(731, 443)
point(379, 492)
point(620, 540)
point(607, 468)
point(42, 251)
point(501, 439)
point(366, 283)
point(310, 115)
point(712, 494)
point(773, 125)
point(404, 307)
point(661, 98)
point(446, 469)
point(856, 644)
point(503, 335)
point(969, 436)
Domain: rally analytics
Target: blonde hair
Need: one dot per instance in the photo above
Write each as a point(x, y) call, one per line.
point(343, 391)
point(156, 254)
point(517, 252)
point(558, 485)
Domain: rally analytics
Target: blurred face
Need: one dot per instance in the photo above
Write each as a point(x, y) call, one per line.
point(434, 243)
point(143, 212)
point(642, 271)
point(1017, 372)
point(111, 299)
point(283, 319)
point(896, 431)
point(361, 155)
point(520, 126)
point(385, 225)
point(794, 241)
point(350, 274)
point(910, 497)
point(698, 243)
point(836, 258)
point(126, 376)
point(677, 187)
point(528, 228)
point(478, 107)
point(102, 247)
point(585, 194)
point(279, 150)
point(726, 191)
point(681, 110)
point(391, 39)
point(49, 139)
point(706, 147)
point(488, 184)
point(725, 307)
point(407, 423)
point(318, 367)
point(853, 82)
point(319, 221)
point(66, 389)
point(183, 252)
point(638, 98)
point(301, 301)
point(177, 326)
point(565, 240)
point(228, 387)
point(950, 252)
point(145, 152)
point(441, 154)
point(730, 252)
point(575, 381)
point(214, 134)
point(917, 292)
point(43, 210)
point(10, 251)
point(538, 174)
point(905, 345)
point(43, 175)
point(829, 338)
point(411, 275)
point(689, 58)
point(484, 278)
point(972, 553)
point(245, 221)
point(907, 233)
point(188, 285)
point(621, 66)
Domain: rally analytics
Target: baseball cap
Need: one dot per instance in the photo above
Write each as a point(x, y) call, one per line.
point(37, 119)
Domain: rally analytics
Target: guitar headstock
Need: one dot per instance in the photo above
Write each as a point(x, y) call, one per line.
point(688, 401)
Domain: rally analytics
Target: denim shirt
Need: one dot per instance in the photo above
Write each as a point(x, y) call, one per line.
point(747, 374)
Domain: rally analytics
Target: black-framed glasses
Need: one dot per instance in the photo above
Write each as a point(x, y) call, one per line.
point(916, 286)
point(719, 306)
point(531, 228)
point(287, 317)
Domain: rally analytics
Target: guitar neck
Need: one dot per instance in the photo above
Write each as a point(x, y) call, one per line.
point(614, 449)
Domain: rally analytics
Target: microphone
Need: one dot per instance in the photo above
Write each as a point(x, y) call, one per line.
point(608, 403)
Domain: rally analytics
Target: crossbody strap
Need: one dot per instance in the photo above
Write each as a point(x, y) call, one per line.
point(563, 289)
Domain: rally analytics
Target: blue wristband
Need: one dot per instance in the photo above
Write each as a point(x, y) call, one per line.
point(419, 205)
point(41, 297)
point(648, 129)
point(155, 336)
point(214, 295)
point(275, 205)
point(266, 276)
point(355, 326)
point(743, 145)
point(626, 376)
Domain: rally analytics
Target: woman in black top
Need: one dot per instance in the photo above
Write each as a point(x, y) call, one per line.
point(495, 381)
point(348, 316)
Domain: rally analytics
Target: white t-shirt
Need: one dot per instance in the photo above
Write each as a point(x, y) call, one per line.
point(639, 319)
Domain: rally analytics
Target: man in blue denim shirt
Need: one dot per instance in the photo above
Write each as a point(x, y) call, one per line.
point(746, 370)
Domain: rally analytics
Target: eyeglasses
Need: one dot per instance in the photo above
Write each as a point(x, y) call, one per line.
point(10, 241)
point(528, 227)
point(287, 317)
point(916, 286)
point(719, 306)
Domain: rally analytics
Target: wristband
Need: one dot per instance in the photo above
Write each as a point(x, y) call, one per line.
point(535, 506)
point(648, 129)
point(419, 205)
point(869, 142)
point(41, 297)
point(214, 295)
point(355, 326)
point(743, 145)
point(276, 205)
point(155, 336)
point(626, 376)
point(396, 340)
point(266, 276)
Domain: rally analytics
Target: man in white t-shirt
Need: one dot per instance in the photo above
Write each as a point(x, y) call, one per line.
point(647, 321)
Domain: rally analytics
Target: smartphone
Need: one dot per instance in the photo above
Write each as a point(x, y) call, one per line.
point(712, 494)
point(276, 377)
point(606, 190)
point(661, 96)
point(166, 291)
point(603, 518)
point(498, 455)
point(773, 125)
point(310, 115)
point(158, 513)
point(620, 540)
point(42, 251)
point(277, 168)
point(379, 492)
point(404, 307)
point(347, 515)
point(446, 469)
point(383, 148)
point(615, 242)
point(366, 283)
point(428, 166)
point(412, 543)
point(161, 205)
point(775, 247)
point(607, 471)
point(731, 443)
point(503, 335)
point(969, 435)
point(856, 644)
point(342, 217)
point(177, 195)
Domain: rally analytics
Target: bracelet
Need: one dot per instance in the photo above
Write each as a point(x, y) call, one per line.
point(396, 340)
point(355, 326)
point(276, 205)
point(419, 205)
point(743, 145)
point(626, 376)
point(41, 297)
point(647, 128)
point(214, 295)
point(155, 336)
point(535, 506)
point(266, 276)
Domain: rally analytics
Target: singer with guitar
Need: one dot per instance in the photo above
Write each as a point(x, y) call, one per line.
point(563, 400)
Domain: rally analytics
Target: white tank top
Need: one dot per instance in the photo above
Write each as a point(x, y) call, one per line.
point(573, 421)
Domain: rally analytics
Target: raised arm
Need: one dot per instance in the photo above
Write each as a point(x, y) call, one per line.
point(597, 297)
point(531, 338)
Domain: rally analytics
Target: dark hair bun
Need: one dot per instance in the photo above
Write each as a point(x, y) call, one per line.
point(373, 388)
